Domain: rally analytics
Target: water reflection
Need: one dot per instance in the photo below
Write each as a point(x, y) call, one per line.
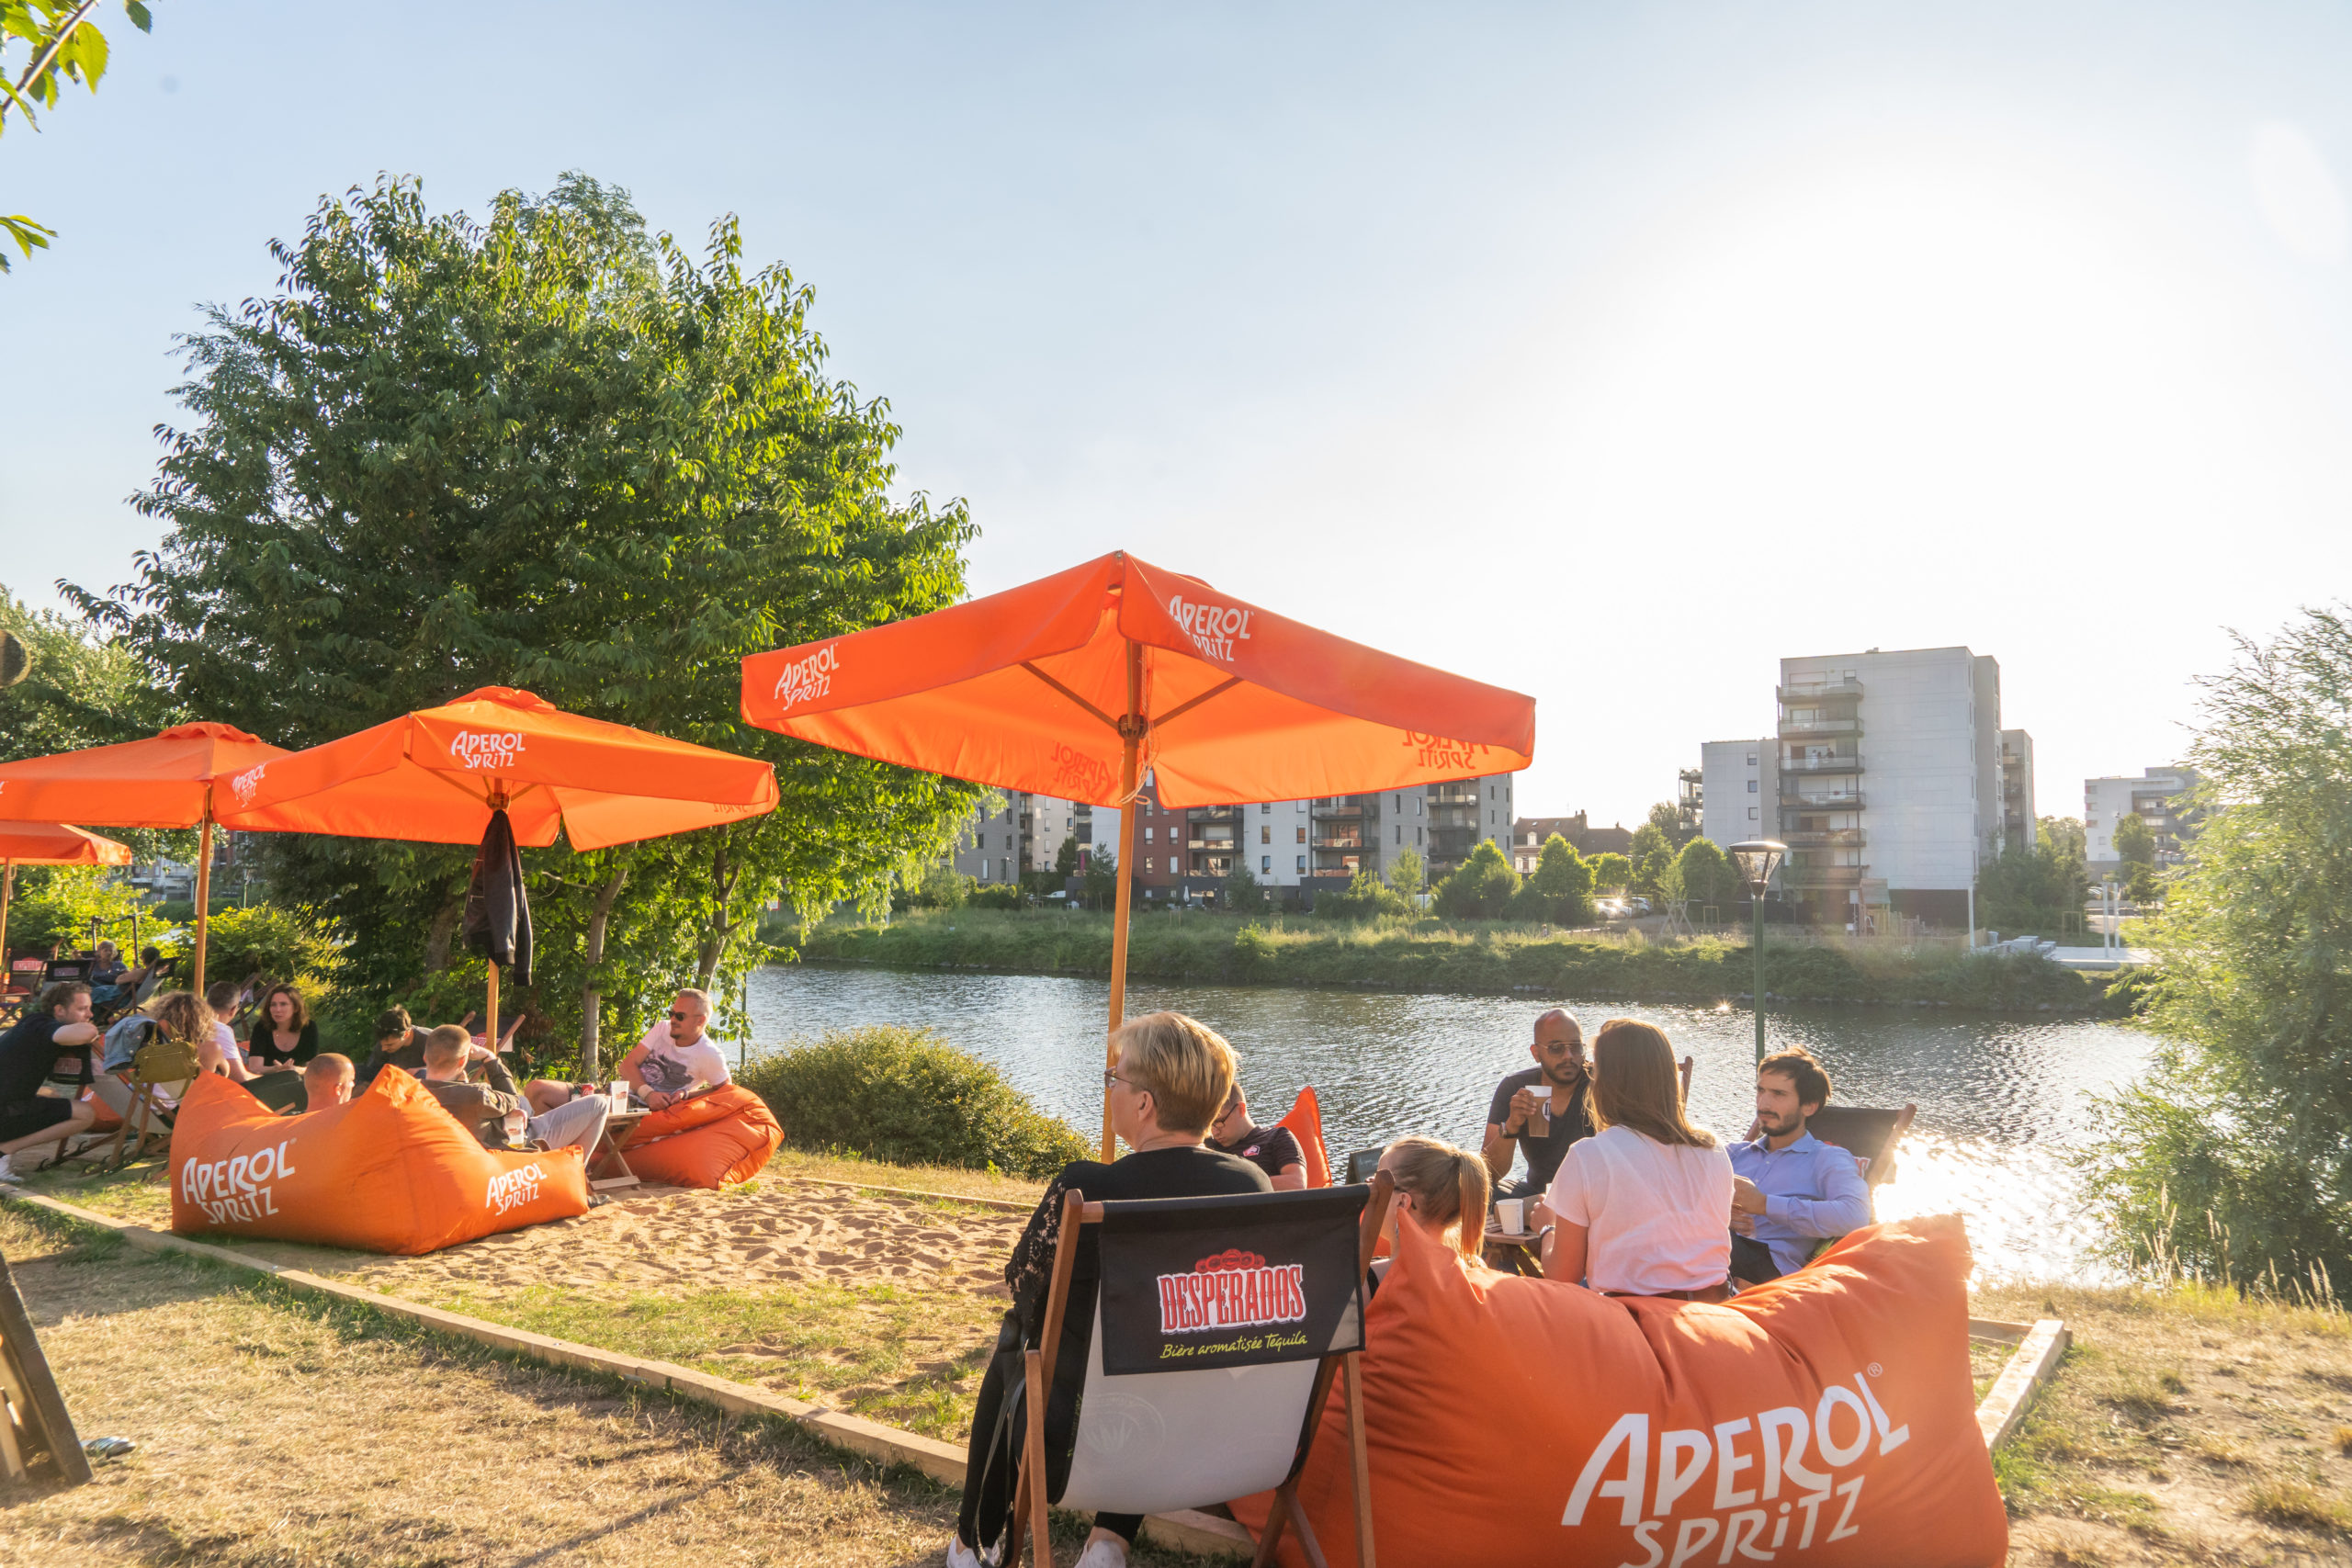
point(2000, 1100)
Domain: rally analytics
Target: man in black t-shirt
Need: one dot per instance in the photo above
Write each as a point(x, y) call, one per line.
point(1559, 1056)
point(56, 1026)
point(1273, 1150)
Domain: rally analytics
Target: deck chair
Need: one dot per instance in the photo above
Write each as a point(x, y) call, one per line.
point(1870, 1134)
point(282, 1092)
point(1148, 1439)
point(1363, 1163)
point(158, 1067)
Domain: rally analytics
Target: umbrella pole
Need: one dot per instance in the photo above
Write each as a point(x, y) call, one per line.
point(203, 889)
point(493, 1004)
point(1131, 734)
point(7, 892)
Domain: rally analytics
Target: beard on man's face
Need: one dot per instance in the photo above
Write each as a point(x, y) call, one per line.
point(1567, 1070)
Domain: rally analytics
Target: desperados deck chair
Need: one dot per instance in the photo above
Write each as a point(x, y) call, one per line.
point(1207, 1306)
point(282, 1092)
point(1363, 1163)
point(162, 1066)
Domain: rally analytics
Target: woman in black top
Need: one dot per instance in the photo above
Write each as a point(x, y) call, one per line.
point(1173, 1075)
point(285, 1035)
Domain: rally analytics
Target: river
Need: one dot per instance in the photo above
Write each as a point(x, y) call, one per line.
point(2002, 1101)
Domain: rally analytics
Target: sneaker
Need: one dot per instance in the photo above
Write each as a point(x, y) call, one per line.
point(9, 1174)
point(1104, 1554)
point(962, 1556)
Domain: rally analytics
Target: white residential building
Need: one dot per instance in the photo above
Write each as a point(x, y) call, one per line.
point(1889, 777)
point(2156, 796)
point(1741, 783)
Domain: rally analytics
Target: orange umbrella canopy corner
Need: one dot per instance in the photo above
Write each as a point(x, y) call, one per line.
point(1042, 687)
point(165, 780)
point(434, 776)
point(56, 843)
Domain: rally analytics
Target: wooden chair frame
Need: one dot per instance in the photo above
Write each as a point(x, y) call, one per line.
point(157, 1061)
point(1029, 1501)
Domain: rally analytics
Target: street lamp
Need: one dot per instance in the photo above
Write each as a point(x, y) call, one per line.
point(1758, 859)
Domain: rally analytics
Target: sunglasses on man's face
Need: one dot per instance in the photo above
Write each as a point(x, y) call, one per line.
point(677, 1017)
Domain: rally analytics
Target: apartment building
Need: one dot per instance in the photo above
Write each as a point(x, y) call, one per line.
point(2018, 824)
point(1740, 785)
point(1304, 845)
point(1023, 832)
point(2159, 796)
point(1889, 777)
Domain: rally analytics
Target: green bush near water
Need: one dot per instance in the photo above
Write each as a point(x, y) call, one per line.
point(907, 1097)
point(1429, 955)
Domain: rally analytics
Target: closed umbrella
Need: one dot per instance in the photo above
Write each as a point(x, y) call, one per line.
point(500, 768)
point(48, 844)
point(167, 781)
point(1079, 684)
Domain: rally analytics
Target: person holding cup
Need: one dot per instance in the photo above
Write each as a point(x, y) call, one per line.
point(1539, 1112)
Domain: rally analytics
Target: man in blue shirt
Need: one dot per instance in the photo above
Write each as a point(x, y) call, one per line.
point(1790, 1190)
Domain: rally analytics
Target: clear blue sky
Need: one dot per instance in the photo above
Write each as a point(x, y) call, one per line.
point(1606, 353)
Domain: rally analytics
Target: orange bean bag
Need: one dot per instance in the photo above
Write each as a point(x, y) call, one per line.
point(724, 1136)
point(1825, 1418)
point(391, 1171)
point(1304, 1120)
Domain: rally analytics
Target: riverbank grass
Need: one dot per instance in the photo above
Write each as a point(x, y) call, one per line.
point(1479, 957)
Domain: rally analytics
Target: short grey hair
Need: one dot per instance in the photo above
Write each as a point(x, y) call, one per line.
point(702, 1000)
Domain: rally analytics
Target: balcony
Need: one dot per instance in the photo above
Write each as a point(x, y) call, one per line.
point(1848, 765)
point(1225, 845)
point(1353, 842)
point(1335, 813)
point(1831, 686)
point(1210, 813)
point(1850, 801)
point(1824, 839)
point(1821, 727)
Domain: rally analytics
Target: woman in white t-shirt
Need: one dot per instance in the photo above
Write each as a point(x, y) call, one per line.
point(1643, 1208)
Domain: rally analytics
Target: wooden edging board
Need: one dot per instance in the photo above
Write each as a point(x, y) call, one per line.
point(1185, 1530)
point(2040, 1347)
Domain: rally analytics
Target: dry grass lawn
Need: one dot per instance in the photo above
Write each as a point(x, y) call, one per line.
point(2184, 1427)
point(274, 1429)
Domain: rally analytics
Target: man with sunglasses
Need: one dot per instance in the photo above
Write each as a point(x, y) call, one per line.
point(1558, 1051)
point(674, 1059)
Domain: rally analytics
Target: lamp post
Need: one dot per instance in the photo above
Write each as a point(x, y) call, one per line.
point(1757, 859)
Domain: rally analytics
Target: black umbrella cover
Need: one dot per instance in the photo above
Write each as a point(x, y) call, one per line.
point(498, 911)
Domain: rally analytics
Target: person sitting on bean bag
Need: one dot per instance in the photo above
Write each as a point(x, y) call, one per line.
point(676, 1058)
point(326, 1081)
point(1273, 1150)
point(493, 1112)
point(1444, 1188)
point(1637, 1209)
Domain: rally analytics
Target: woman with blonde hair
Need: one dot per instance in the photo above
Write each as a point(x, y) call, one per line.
point(1444, 1188)
point(1173, 1075)
point(1638, 1209)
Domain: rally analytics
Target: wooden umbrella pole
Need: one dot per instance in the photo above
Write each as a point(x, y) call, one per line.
point(203, 887)
point(1131, 732)
point(493, 1004)
point(7, 892)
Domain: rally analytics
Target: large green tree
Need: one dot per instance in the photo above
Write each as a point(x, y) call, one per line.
point(2135, 846)
point(80, 688)
point(1481, 887)
point(44, 44)
point(1703, 875)
point(2232, 1156)
point(540, 450)
point(1559, 890)
point(2038, 887)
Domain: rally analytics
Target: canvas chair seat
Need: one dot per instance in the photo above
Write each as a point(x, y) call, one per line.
point(1259, 1298)
point(1158, 1441)
point(161, 1071)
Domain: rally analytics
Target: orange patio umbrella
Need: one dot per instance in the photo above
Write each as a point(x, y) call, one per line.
point(444, 775)
point(165, 781)
point(48, 844)
point(1079, 684)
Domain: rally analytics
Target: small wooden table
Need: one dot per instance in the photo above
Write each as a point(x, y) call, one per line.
point(1523, 1242)
point(617, 1126)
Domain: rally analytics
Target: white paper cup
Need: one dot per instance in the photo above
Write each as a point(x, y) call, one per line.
point(620, 1094)
point(1540, 1122)
point(1510, 1215)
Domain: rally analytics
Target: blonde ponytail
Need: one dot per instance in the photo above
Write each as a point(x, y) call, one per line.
point(1449, 1187)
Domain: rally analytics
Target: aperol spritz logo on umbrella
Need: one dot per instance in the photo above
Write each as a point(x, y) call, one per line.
point(1077, 776)
point(487, 751)
point(1217, 630)
point(806, 680)
point(1231, 1289)
point(1441, 752)
point(245, 784)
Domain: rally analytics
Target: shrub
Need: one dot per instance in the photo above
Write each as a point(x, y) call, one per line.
point(1253, 950)
point(1480, 889)
point(907, 1097)
point(277, 943)
point(57, 904)
point(1365, 898)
